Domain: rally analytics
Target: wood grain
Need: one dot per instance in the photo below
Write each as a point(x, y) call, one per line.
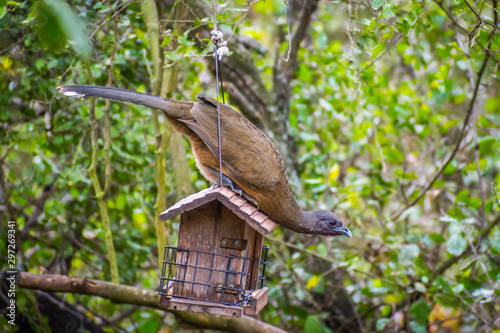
point(180, 304)
point(228, 198)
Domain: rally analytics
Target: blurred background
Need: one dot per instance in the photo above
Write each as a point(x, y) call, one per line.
point(388, 114)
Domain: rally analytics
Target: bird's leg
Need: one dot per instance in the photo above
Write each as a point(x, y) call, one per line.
point(228, 182)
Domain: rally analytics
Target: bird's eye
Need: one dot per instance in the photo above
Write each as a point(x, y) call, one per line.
point(332, 223)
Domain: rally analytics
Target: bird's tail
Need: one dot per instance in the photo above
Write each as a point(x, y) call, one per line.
point(171, 107)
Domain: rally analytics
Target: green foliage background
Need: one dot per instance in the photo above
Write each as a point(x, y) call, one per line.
point(377, 107)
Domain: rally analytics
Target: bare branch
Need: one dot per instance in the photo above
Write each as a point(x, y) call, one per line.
point(284, 71)
point(107, 122)
point(478, 15)
point(136, 296)
point(39, 204)
point(462, 29)
point(103, 208)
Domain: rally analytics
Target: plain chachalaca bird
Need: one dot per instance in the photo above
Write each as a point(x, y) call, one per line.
point(250, 160)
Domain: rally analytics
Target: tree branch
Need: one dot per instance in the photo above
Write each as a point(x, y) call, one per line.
point(103, 208)
point(283, 75)
point(478, 15)
point(107, 121)
point(462, 29)
point(453, 260)
point(39, 204)
point(177, 148)
point(132, 295)
point(150, 12)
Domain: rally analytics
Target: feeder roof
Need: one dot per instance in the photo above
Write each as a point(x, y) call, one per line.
point(238, 205)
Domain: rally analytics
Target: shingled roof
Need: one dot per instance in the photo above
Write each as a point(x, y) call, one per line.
point(238, 205)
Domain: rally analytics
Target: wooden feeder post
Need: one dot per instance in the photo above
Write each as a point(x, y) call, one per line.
point(217, 266)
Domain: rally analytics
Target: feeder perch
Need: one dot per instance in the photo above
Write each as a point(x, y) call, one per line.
point(219, 263)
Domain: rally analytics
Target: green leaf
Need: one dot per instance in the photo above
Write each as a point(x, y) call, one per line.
point(483, 163)
point(39, 63)
point(148, 326)
point(378, 49)
point(475, 203)
point(437, 238)
point(485, 144)
point(394, 155)
point(322, 250)
point(489, 207)
point(450, 169)
point(376, 4)
point(388, 10)
point(447, 300)
point(418, 327)
point(121, 201)
point(408, 253)
point(166, 40)
point(3, 11)
point(314, 325)
point(405, 90)
point(305, 73)
point(462, 196)
point(382, 323)
point(67, 23)
point(335, 47)
point(420, 310)
point(420, 287)
point(402, 46)
point(386, 311)
point(456, 245)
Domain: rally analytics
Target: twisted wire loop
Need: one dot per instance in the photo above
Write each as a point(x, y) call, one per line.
point(220, 45)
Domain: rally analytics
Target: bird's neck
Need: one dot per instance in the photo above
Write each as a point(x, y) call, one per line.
point(300, 220)
point(308, 222)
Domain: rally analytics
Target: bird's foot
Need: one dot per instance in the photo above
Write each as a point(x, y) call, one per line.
point(228, 182)
point(251, 200)
point(238, 190)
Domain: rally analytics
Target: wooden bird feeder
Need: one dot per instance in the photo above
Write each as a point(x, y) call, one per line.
point(219, 264)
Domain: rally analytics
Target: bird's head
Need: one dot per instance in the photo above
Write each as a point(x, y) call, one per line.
point(329, 224)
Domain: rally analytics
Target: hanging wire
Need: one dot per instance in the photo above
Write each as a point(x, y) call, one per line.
point(218, 114)
point(220, 80)
point(220, 50)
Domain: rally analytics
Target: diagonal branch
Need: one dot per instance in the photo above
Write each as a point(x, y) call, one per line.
point(462, 132)
point(453, 260)
point(39, 204)
point(478, 15)
point(455, 23)
point(107, 122)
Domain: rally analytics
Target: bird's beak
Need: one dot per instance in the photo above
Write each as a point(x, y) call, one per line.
point(343, 231)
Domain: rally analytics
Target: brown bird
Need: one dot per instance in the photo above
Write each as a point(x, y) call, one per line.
point(251, 163)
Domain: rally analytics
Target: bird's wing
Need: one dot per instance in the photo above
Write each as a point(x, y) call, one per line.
point(248, 154)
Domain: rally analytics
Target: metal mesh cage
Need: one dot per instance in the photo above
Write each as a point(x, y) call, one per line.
point(205, 276)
